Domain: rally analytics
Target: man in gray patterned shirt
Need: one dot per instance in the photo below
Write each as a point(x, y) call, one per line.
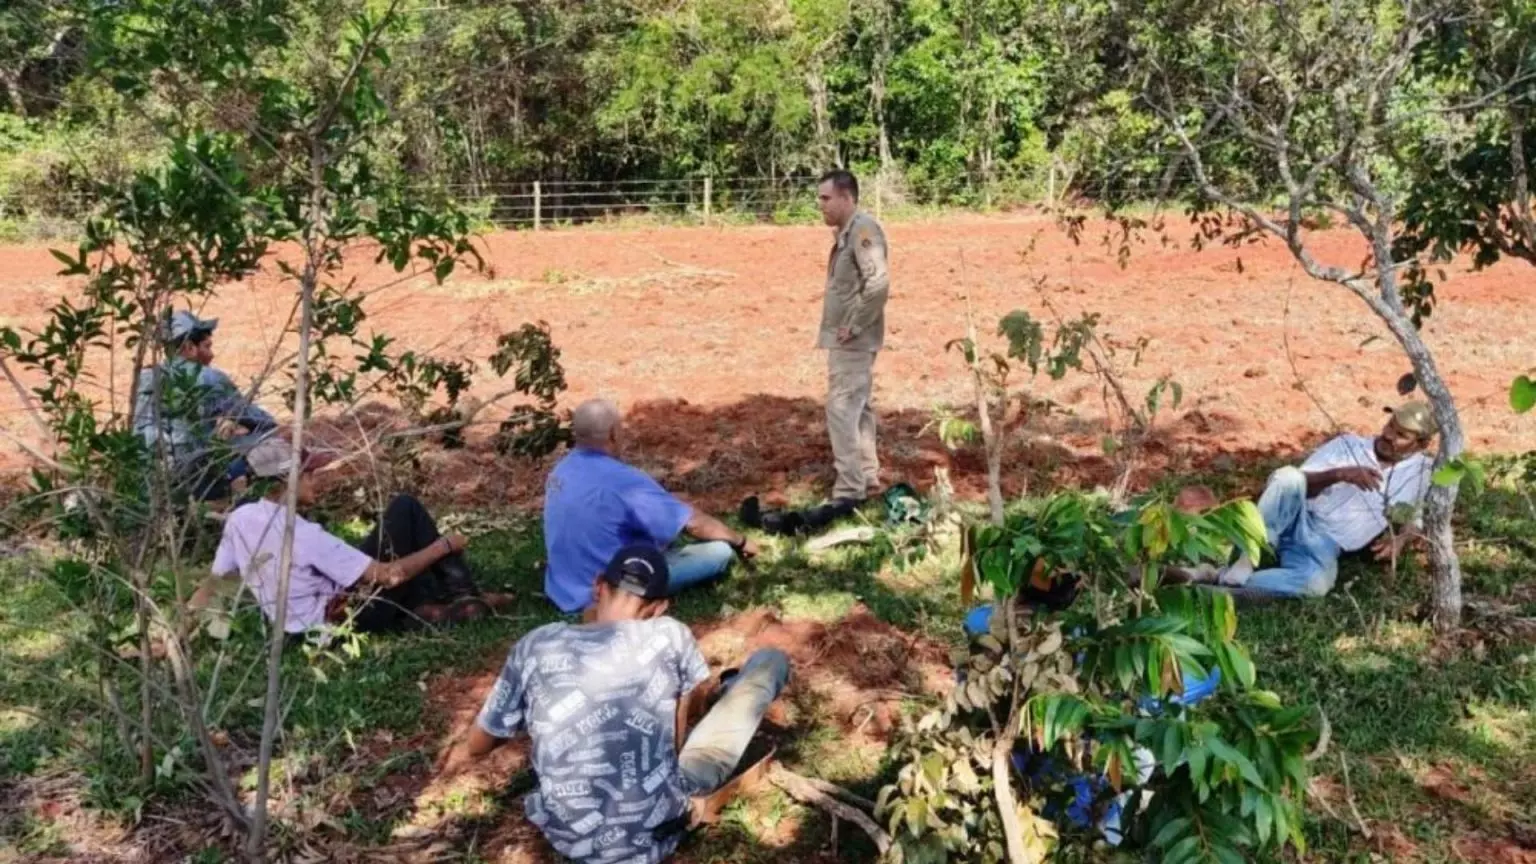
point(606, 704)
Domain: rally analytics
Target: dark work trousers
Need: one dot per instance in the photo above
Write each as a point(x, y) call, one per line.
point(406, 528)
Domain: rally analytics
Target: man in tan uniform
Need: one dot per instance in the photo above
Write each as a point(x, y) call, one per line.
point(852, 332)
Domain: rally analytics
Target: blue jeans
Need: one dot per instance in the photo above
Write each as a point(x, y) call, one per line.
point(713, 748)
point(1309, 559)
point(696, 564)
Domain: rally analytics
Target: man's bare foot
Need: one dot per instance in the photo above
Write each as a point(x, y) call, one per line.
point(499, 600)
point(1196, 575)
point(432, 613)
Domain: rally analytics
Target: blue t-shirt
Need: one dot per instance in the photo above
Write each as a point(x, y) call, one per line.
point(600, 703)
point(595, 505)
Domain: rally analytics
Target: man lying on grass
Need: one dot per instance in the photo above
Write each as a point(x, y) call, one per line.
point(607, 704)
point(1342, 499)
point(401, 574)
point(594, 505)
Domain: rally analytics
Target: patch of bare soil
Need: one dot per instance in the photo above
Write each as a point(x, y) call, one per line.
point(851, 674)
point(709, 333)
point(47, 816)
point(1483, 850)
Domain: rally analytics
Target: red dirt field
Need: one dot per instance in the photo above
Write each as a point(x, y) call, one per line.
point(705, 335)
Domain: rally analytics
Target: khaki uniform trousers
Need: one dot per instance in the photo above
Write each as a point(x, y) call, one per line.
point(851, 422)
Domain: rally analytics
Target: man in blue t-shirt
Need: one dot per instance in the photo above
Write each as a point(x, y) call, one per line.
point(595, 505)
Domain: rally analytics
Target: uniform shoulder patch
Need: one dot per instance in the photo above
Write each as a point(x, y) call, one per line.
point(865, 238)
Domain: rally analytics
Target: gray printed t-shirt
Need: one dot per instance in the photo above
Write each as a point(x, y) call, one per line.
point(600, 703)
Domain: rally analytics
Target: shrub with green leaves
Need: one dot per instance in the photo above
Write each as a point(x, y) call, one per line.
point(1095, 690)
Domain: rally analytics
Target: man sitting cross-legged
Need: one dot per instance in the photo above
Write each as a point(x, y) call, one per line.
point(607, 704)
point(192, 414)
point(403, 572)
point(595, 505)
point(1340, 500)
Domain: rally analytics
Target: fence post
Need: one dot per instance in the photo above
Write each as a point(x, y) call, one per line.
point(709, 194)
point(538, 206)
point(879, 184)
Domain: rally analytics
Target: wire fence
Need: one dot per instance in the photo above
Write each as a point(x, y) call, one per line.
point(554, 203)
point(548, 203)
point(551, 203)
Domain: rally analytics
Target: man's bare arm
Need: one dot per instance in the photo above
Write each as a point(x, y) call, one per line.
point(1365, 478)
point(474, 746)
point(208, 589)
point(703, 526)
point(405, 569)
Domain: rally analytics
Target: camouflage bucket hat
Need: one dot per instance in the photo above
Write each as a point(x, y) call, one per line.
point(1416, 417)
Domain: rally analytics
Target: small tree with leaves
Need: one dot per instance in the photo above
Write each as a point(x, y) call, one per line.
point(1076, 708)
point(1001, 410)
point(254, 161)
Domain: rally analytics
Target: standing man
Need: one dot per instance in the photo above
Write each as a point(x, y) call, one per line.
point(852, 333)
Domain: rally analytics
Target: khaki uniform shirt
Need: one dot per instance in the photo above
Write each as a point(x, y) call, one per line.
point(858, 282)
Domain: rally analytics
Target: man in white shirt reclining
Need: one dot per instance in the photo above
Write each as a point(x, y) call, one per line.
point(1340, 500)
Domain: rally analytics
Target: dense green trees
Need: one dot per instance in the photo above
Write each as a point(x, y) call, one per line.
point(948, 94)
point(948, 98)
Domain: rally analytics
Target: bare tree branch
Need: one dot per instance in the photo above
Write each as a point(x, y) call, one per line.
point(314, 242)
point(808, 791)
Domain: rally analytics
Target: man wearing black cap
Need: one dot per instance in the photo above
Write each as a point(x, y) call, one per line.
point(606, 704)
point(184, 406)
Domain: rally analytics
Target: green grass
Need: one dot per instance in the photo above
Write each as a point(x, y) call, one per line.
point(1439, 736)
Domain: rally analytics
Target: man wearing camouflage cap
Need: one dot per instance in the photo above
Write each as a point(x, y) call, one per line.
point(185, 406)
point(852, 332)
point(1342, 499)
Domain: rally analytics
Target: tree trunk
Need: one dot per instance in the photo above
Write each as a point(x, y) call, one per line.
point(994, 472)
point(991, 435)
point(989, 135)
point(314, 240)
point(1445, 567)
point(1440, 502)
point(1521, 214)
point(1007, 804)
point(11, 81)
point(816, 83)
point(877, 86)
point(146, 671)
point(220, 788)
point(1002, 751)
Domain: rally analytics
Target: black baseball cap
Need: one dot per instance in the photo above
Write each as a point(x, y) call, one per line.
point(639, 570)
